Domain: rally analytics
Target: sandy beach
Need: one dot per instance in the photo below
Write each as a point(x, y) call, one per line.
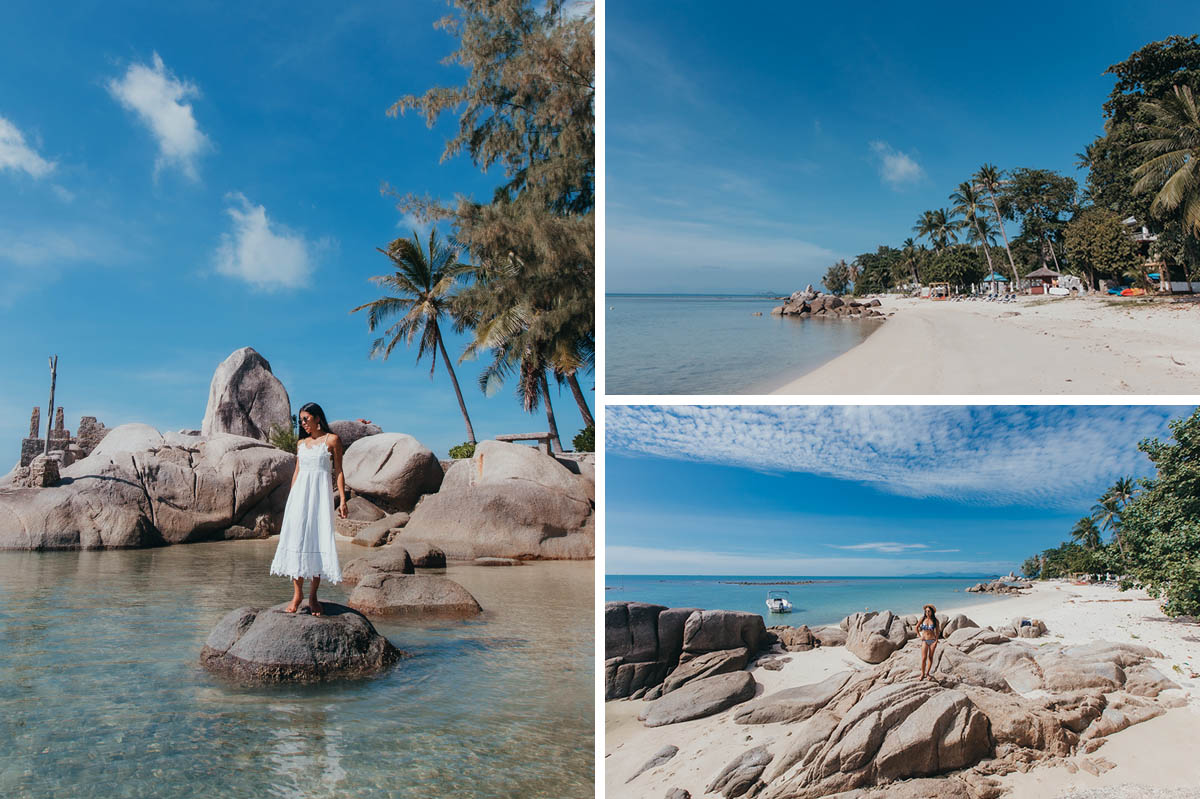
point(1159, 752)
point(1037, 345)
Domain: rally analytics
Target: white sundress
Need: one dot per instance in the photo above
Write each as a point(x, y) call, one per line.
point(306, 539)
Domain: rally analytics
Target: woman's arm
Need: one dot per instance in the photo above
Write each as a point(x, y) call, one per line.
point(335, 446)
point(295, 472)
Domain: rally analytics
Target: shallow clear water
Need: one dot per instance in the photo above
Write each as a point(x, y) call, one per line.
point(101, 694)
point(827, 600)
point(681, 344)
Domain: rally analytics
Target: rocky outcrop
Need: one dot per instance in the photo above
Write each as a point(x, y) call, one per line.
point(360, 509)
point(246, 399)
point(794, 639)
point(251, 645)
point(660, 757)
point(713, 630)
point(699, 699)
point(425, 556)
point(507, 501)
point(810, 303)
point(873, 636)
point(740, 775)
point(830, 636)
point(393, 470)
point(998, 587)
point(380, 593)
point(995, 704)
point(139, 488)
point(349, 431)
point(709, 664)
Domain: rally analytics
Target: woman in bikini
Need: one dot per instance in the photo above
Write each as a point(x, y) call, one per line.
point(928, 631)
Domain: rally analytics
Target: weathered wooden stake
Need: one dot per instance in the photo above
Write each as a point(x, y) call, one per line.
point(50, 411)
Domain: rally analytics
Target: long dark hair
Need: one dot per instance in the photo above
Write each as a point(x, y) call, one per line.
point(313, 410)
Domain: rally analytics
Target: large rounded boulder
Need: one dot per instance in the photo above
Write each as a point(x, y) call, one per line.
point(390, 593)
point(508, 501)
point(392, 469)
point(138, 489)
point(251, 645)
point(246, 399)
point(351, 430)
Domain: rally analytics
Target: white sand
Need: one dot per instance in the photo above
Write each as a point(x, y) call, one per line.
point(1159, 752)
point(1038, 345)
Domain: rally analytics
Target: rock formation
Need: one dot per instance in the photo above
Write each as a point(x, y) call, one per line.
point(391, 593)
point(393, 470)
point(351, 430)
point(508, 501)
point(246, 399)
point(810, 303)
point(251, 645)
point(139, 488)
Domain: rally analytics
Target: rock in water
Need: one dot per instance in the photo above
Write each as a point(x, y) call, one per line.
point(385, 559)
point(393, 470)
point(251, 645)
point(246, 399)
point(424, 595)
point(425, 556)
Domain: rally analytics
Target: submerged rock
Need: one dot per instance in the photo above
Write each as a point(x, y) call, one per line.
point(385, 559)
point(424, 595)
point(252, 645)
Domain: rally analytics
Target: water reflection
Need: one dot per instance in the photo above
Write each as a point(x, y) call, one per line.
point(101, 693)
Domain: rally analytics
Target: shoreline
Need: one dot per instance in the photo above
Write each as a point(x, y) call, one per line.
point(1156, 752)
point(1036, 345)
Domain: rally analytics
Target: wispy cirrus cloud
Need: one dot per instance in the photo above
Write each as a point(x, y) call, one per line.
point(620, 559)
point(888, 547)
point(263, 253)
point(896, 168)
point(1055, 456)
point(17, 155)
point(157, 97)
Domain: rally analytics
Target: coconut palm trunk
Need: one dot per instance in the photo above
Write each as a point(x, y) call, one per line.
point(554, 441)
point(1004, 233)
point(462, 406)
point(581, 401)
point(983, 241)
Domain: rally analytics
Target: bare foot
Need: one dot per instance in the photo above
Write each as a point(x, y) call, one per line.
point(314, 607)
point(294, 605)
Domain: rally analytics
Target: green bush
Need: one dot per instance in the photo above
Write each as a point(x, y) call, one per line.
point(284, 438)
point(463, 450)
point(585, 440)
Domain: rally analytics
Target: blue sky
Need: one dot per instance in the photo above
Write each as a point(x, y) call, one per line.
point(858, 490)
point(180, 180)
point(748, 151)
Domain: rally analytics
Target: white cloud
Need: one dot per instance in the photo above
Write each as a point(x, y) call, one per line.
point(264, 254)
point(156, 96)
point(17, 155)
point(895, 167)
point(648, 560)
point(1055, 456)
point(880, 546)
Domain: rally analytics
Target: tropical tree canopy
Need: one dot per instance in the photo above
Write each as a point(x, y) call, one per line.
point(837, 278)
point(1098, 246)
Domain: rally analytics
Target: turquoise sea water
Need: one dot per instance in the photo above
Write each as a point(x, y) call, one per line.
point(102, 695)
point(824, 601)
point(689, 344)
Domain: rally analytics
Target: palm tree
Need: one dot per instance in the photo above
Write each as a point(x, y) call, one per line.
point(938, 226)
point(912, 254)
point(421, 292)
point(1107, 512)
point(1171, 153)
point(967, 202)
point(1086, 533)
point(989, 179)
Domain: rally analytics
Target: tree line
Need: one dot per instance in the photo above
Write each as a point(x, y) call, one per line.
point(517, 272)
point(1152, 527)
point(1143, 166)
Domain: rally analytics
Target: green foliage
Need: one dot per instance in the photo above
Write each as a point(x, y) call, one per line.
point(585, 440)
point(876, 270)
point(1169, 149)
point(1040, 199)
point(837, 278)
point(1099, 246)
point(1032, 568)
point(1070, 558)
point(284, 438)
point(1160, 527)
point(959, 265)
point(463, 450)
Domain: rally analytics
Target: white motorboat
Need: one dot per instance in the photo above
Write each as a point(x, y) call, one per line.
point(779, 602)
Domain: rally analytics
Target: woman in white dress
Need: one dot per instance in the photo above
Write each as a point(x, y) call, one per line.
point(306, 540)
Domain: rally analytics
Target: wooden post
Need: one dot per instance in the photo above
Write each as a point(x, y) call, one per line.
point(50, 411)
